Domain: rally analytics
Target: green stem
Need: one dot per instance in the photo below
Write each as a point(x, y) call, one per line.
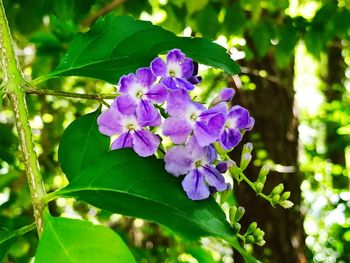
point(31, 90)
point(14, 84)
point(251, 184)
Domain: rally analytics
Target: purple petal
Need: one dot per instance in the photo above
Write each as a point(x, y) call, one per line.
point(169, 82)
point(183, 84)
point(195, 80)
point(145, 77)
point(238, 117)
point(230, 138)
point(158, 67)
point(177, 161)
point(123, 141)
point(203, 134)
point(177, 102)
point(225, 95)
point(174, 56)
point(146, 114)
point(145, 143)
point(187, 68)
point(219, 108)
point(214, 178)
point(157, 93)
point(126, 82)
point(126, 104)
point(109, 122)
point(211, 153)
point(177, 129)
point(194, 185)
point(216, 124)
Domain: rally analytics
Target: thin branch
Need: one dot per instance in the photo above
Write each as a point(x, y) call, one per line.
point(104, 10)
point(58, 93)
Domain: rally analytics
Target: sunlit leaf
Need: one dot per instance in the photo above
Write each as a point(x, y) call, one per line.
point(117, 45)
point(70, 240)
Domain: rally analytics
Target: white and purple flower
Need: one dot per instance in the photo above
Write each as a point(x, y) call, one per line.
point(237, 120)
point(139, 93)
point(130, 132)
point(196, 163)
point(187, 116)
point(176, 72)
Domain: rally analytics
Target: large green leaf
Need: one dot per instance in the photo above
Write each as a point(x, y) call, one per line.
point(81, 143)
point(117, 45)
point(70, 240)
point(122, 182)
point(7, 238)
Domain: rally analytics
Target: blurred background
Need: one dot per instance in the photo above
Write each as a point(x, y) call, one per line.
point(295, 80)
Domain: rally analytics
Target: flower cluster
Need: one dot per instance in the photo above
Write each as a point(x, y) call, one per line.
point(192, 127)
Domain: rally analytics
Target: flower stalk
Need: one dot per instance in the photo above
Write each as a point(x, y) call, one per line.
point(14, 86)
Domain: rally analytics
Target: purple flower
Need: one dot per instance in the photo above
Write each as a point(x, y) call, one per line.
point(131, 133)
point(196, 163)
point(225, 95)
point(176, 72)
point(188, 116)
point(139, 93)
point(237, 120)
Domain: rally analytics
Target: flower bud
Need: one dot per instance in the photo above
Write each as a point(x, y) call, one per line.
point(275, 199)
point(263, 173)
point(251, 228)
point(249, 239)
point(261, 243)
point(286, 204)
point(247, 148)
point(224, 196)
point(285, 196)
point(239, 214)
point(232, 214)
point(225, 94)
point(237, 227)
point(222, 167)
point(277, 189)
point(259, 238)
point(245, 160)
point(257, 233)
point(258, 187)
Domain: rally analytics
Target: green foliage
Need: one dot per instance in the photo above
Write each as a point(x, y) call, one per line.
point(70, 240)
point(122, 182)
point(81, 144)
point(121, 45)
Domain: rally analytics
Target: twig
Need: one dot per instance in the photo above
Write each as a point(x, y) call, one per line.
point(104, 10)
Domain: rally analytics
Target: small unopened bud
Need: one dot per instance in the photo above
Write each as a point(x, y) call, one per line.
point(277, 189)
point(224, 196)
point(286, 204)
point(263, 173)
point(221, 167)
point(258, 187)
point(237, 227)
point(251, 228)
point(261, 243)
point(257, 233)
point(247, 148)
point(259, 238)
point(275, 199)
point(239, 214)
point(285, 196)
point(225, 95)
point(249, 239)
point(232, 213)
point(245, 160)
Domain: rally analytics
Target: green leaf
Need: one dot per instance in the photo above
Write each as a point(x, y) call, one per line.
point(69, 9)
point(70, 240)
point(117, 45)
point(122, 182)
point(80, 144)
point(7, 238)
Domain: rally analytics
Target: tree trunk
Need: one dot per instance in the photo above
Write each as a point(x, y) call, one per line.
point(275, 131)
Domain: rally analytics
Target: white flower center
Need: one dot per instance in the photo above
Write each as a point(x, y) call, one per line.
point(129, 123)
point(174, 70)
